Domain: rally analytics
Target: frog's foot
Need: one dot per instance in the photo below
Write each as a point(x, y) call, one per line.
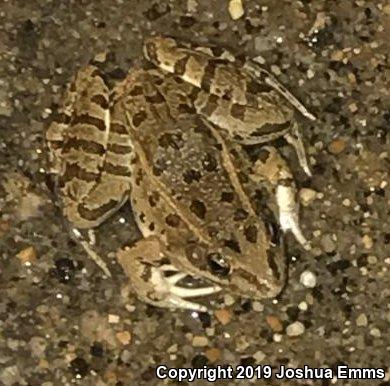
point(145, 265)
point(272, 168)
point(288, 213)
point(168, 294)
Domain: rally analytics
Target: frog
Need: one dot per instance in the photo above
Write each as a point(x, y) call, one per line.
point(191, 187)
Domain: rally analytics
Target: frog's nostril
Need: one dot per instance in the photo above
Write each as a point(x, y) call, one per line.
point(218, 264)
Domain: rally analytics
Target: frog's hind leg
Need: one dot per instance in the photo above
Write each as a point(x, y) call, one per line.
point(147, 269)
point(271, 167)
point(263, 76)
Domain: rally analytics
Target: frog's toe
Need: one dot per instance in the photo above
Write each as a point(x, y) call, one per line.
point(289, 222)
point(167, 294)
point(288, 213)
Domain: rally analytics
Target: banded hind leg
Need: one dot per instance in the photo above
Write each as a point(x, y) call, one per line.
point(87, 155)
point(272, 169)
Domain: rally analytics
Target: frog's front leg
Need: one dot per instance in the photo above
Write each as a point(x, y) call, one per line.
point(146, 266)
point(271, 167)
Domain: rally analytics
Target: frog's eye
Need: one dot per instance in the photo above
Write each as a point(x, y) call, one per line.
point(218, 264)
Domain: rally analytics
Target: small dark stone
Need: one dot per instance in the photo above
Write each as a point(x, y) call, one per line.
point(198, 361)
point(79, 366)
point(205, 319)
point(97, 349)
point(247, 361)
point(187, 21)
point(64, 270)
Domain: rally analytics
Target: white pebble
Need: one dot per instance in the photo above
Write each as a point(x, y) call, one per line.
point(375, 332)
point(295, 329)
point(303, 306)
point(361, 320)
point(308, 279)
point(236, 9)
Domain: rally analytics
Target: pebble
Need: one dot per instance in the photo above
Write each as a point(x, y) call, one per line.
point(353, 107)
point(257, 306)
point(113, 318)
point(361, 320)
point(259, 356)
point(124, 337)
point(327, 243)
point(308, 279)
point(295, 329)
point(303, 306)
point(224, 316)
point(213, 354)
point(375, 332)
point(372, 259)
point(347, 202)
point(200, 341)
point(367, 242)
point(337, 146)
point(236, 9)
point(275, 323)
point(310, 73)
point(307, 196)
point(228, 300)
point(27, 255)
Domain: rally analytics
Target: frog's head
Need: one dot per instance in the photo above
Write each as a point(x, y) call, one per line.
point(255, 272)
point(252, 264)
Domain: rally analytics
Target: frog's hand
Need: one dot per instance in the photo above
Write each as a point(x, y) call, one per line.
point(145, 265)
point(271, 167)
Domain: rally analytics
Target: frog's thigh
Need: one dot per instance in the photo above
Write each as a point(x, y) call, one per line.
point(272, 168)
point(145, 265)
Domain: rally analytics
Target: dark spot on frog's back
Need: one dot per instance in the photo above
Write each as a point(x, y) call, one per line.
point(139, 118)
point(100, 100)
point(173, 140)
point(153, 198)
point(251, 233)
point(238, 111)
point(136, 91)
point(227, 196)
point(240, 214)
point(191, 175)
point(233, 245)
point(198, 208)
point(180, 65)
point(209, 163)
point(173, 220)
point(157, 98)
point(211, 105)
